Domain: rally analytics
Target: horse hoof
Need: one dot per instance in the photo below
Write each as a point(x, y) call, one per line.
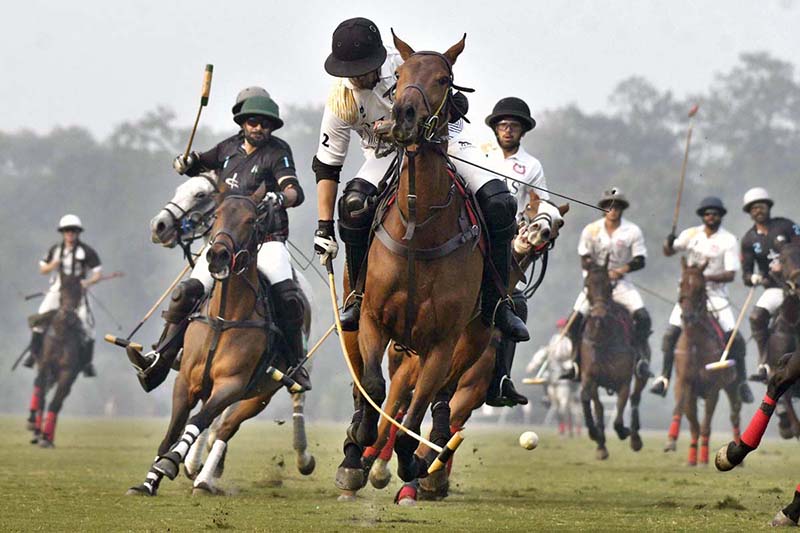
point(406, 496)
point(435, 487)
point(781, 520)
point(379, 474)
point(44, 443)
point(671, 445)
point(190, 474)
point(636, 442)
point(139, 490)
point(205, 489)
point(350, 479)
point(601, 454)
point(347, 496)
point(786, 432)
point(622, 432)
point(30, 426)
point(34, 440)
point(167, 466)
point(308, 467)
point(721, 460)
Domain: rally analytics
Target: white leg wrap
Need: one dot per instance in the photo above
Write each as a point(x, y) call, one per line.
point(189, 436)
point(195, 457)
point(207, 474)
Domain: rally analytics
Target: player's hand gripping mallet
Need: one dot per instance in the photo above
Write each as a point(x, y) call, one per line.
point(724, 362)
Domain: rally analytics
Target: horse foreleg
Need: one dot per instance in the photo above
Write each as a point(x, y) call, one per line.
point(619, 420)
point(588, 417)
point(789, 515)
point(350, 474)
point(785, 376)
point(304, 460)
point(65, 380)
point(636, 398)
point(690, 410)
point(372, 341)
point(705, 429)
point(37, 405)
point(731, 391)
point(602, 452)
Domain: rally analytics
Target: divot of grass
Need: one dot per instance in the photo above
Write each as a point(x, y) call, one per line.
point(729, 502)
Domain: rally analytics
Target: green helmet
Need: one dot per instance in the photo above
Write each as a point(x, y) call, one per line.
point(263, 106)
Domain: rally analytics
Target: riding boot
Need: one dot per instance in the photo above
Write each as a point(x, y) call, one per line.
point(356, 211)
point(668, 344)
point(503, 391)
point(737, 353)
point(574, 334)
point(37, 341)
point(153, 367)
point(759, 328)
point(499, 210)
point(88, 355)
point(641, 343)
point(290, 313)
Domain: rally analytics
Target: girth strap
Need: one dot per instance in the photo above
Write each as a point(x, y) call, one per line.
point(427, 254)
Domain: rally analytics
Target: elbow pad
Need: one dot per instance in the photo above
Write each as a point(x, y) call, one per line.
point(324, 171)
point(637, 263)
point(294, 184)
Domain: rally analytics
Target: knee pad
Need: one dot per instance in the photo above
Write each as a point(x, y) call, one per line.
point(183, 300)
point(291, 307)
point(520, 305)
point(356, 209)
point(642, 322)
point(499, 209)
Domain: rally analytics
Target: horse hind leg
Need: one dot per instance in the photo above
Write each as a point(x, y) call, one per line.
point(789, 515)
point(37, 406)
point(372, 343)
point(731, 391)
point(705, 429)
point(305, 461)
point(636, 398)
point(65, 381)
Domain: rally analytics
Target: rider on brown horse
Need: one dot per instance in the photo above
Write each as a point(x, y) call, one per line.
point(621, 242)
point(361, 97)
point(242, 162)
point(712, 244)
point(760, 249)
point(510, 120)
point(71, 257)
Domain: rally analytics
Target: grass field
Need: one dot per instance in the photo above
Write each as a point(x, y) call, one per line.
point(496, 486)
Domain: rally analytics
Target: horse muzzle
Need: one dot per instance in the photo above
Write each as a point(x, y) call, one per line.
point(405, 130)
point(220, 262)
point(162, 231)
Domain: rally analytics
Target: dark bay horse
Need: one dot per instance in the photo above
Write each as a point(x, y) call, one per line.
point(785, 376)
point(607, 361)
point(224, 348)
point(414, 293)
point(701, 342)
point(62, 359)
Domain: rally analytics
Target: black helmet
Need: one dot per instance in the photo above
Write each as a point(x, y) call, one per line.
point(356, 49)
point(460, 106)
point(512, 107)
point(711, 202)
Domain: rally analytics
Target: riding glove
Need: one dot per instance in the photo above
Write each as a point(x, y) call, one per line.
point(182, 163)
point(325, 244)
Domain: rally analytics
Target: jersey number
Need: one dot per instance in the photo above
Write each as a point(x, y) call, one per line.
point(325, 139)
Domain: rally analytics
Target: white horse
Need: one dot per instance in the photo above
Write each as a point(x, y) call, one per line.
point(184, 218)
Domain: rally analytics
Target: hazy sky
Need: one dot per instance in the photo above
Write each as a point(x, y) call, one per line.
point(97, 63)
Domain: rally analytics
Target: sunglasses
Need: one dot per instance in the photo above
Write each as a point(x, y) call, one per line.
point(264, 122)
point(712, 212)
point(510, 125)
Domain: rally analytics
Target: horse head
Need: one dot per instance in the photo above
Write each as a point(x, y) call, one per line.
point(541, 222)
point(790, 267)
point(422, 96)
point(71, 293)
point(236, 233)
point(185, 215)
point(598, 288)
point(692, 298)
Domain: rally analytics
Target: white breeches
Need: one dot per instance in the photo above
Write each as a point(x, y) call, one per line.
point(273, 261)
point(560, 394)
point(718, 306)
point(771, 300)
point(51, 301)
point(624, 294)
point(373, 170)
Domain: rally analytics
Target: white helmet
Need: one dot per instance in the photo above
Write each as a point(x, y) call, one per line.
point(756, 194)
point(70, 222)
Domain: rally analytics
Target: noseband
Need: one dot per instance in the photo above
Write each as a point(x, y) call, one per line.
point(240, 253)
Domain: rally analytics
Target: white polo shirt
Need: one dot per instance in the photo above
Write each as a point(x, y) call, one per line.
point(622, 246)
point(720, 250)
point(524, 167)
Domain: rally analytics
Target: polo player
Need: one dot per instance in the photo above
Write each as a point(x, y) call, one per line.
point(242, 163)
point(621, 243)
point(361, 96)
point(717, 248)
point(761, 248)
point(510, 120)
point(70, 257)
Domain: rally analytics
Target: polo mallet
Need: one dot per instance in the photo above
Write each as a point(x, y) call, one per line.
point(539, 378)
point(203, 102)
point(19, 359)
point(692, 113)
point(104, 277)
point(455, 441)
point(724, 362)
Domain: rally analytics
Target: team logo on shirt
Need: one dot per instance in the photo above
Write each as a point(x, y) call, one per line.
point(254, 170)
point(519, 169)
point(232, 182)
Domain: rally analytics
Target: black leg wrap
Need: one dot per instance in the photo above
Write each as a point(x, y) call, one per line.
point(759, 327)
point(792, 511)
point(289, 317)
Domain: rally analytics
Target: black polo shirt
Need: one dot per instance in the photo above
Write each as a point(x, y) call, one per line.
point(760, 250)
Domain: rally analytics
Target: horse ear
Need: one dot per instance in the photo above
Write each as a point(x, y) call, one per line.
point(533, 202)
point(684, 264)
point(454, 51)
point(563, 209)
point(260, 193)
point(405, 50)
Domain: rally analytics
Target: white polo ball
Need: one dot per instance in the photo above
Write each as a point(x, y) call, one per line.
point(529, 440)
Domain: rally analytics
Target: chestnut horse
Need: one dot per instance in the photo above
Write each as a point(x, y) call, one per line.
point(607, 361)
point(61, 361)
point(223, 348)
point(700, 343)
point(782, 379)
point(418, 290)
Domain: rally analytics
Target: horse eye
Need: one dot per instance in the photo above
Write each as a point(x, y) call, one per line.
point(444, 80)
point(200, 195)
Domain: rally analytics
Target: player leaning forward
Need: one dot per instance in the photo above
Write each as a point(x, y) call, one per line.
point(360, 97)
point(712, 245)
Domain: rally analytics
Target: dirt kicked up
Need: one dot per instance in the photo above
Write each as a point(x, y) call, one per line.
point(80, 485)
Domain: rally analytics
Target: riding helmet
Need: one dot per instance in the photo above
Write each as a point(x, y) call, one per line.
point(244, 94)
point(613, 196)
point(70, 222)
point(711, 202)
point(756, 194)
point(512, 106)
point(356, 49)
point(262, 106)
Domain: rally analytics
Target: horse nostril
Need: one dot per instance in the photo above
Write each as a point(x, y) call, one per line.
point(160, 227)
point(409, 113)
point(546, 234)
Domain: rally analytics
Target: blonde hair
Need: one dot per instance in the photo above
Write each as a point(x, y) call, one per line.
point(342, 103)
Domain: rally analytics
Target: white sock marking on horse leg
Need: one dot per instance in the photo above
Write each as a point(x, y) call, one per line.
point(207, 474)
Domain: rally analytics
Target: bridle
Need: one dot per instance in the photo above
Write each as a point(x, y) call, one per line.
point(240, 253)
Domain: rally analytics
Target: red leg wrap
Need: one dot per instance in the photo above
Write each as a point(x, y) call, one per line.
point(35, 399)
point(407, 491)
point(50, 426)
point(386, 452)
point(758, 424)
point(38, 421)
point(675, 427)
point(704, 451)
point(693, 453)
point(369, 452)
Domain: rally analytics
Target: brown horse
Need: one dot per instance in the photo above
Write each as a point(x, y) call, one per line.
point(785, 376)
point(700, 343)
point(418, 289)
point(62, 359)
point(224, 348)
point(608, 357)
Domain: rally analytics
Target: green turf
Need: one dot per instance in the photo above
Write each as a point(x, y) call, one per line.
point(497, 486)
